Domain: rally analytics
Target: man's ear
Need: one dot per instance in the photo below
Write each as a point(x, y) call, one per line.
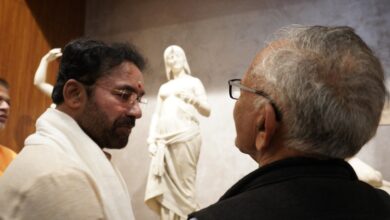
point(266, 127)
point(73, 93)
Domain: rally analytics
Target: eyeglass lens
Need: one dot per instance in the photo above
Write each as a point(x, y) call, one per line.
point(235, 92)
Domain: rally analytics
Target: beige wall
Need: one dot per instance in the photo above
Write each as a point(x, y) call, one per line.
point(221, 37)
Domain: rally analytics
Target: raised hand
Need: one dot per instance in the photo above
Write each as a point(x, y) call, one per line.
point(52, 54)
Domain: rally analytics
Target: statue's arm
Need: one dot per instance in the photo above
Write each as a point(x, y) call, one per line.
point(200, 99)
point(153, 127)
point(196, 97)
point(41, 73)
point(365, 172)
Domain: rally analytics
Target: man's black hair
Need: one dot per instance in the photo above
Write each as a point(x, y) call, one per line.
point(88, 60)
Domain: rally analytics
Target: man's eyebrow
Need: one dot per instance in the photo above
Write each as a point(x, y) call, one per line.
point(130, 89)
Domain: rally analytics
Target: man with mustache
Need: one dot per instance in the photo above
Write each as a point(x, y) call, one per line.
point(311, 98)
point(63, 172)
point(6, 154)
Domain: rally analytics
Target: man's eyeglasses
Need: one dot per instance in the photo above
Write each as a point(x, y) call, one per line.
point(235, 88)
point(129, 96)
point(126, 94)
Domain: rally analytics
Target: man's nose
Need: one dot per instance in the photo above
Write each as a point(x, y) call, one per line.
point(4, 105)
point(135, 110)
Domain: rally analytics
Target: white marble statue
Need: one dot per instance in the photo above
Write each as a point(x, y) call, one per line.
point(41, 73)
point(174, 139)
point(368, 174)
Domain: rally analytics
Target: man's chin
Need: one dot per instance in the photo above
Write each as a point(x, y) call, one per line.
point(238, 146)
point(123, 131)
point(117, 146)
point(119, 140)
point(244, 150)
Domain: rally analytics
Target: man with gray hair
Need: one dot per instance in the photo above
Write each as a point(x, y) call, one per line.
point(310, 99)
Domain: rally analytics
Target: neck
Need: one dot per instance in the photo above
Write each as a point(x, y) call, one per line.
point(63, 108)
point(108, 155)
point(179, 74)
point(275, 154)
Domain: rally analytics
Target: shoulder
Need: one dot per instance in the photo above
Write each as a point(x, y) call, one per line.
point(194, 82)
point(66, 183)
point(194, 79)
point(8, 153)
point(65, 192)
point(165, 86)
point(224, 210)
point(34, 161)
point(293, 198)
point(6, 156)
point(385, 197)
point(271, 206)
point(69, 179)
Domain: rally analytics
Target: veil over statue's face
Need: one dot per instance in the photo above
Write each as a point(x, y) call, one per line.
point(175, 60)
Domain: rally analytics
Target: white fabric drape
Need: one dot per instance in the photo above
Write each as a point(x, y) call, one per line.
point(171, 180)
point(58, 130)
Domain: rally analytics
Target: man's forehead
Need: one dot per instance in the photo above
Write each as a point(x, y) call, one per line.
point(251, 79)
point(4, 93)
point(262, 54)
point(126, 71)
point(124, 76)
point(277, 44)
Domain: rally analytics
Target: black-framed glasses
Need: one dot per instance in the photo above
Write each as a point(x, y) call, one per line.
point(235, 88)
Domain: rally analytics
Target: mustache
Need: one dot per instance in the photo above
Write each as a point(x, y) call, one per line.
point(125, 122)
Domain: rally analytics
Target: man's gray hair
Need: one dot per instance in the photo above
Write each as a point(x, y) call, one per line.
point(330, 87)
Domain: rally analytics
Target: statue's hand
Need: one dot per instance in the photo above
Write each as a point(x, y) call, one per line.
point(366, 173)
point(53, 54)
point(190, 99)
point(152, 149)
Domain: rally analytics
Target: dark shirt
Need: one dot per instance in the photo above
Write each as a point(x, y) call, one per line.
point(300, 188)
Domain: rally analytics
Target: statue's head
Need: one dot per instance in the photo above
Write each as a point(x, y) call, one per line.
point(175, 61)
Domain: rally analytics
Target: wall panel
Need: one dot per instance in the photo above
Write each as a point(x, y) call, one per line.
point(28, 30)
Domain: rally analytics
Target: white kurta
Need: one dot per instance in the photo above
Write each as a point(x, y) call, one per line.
point(62, 174)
